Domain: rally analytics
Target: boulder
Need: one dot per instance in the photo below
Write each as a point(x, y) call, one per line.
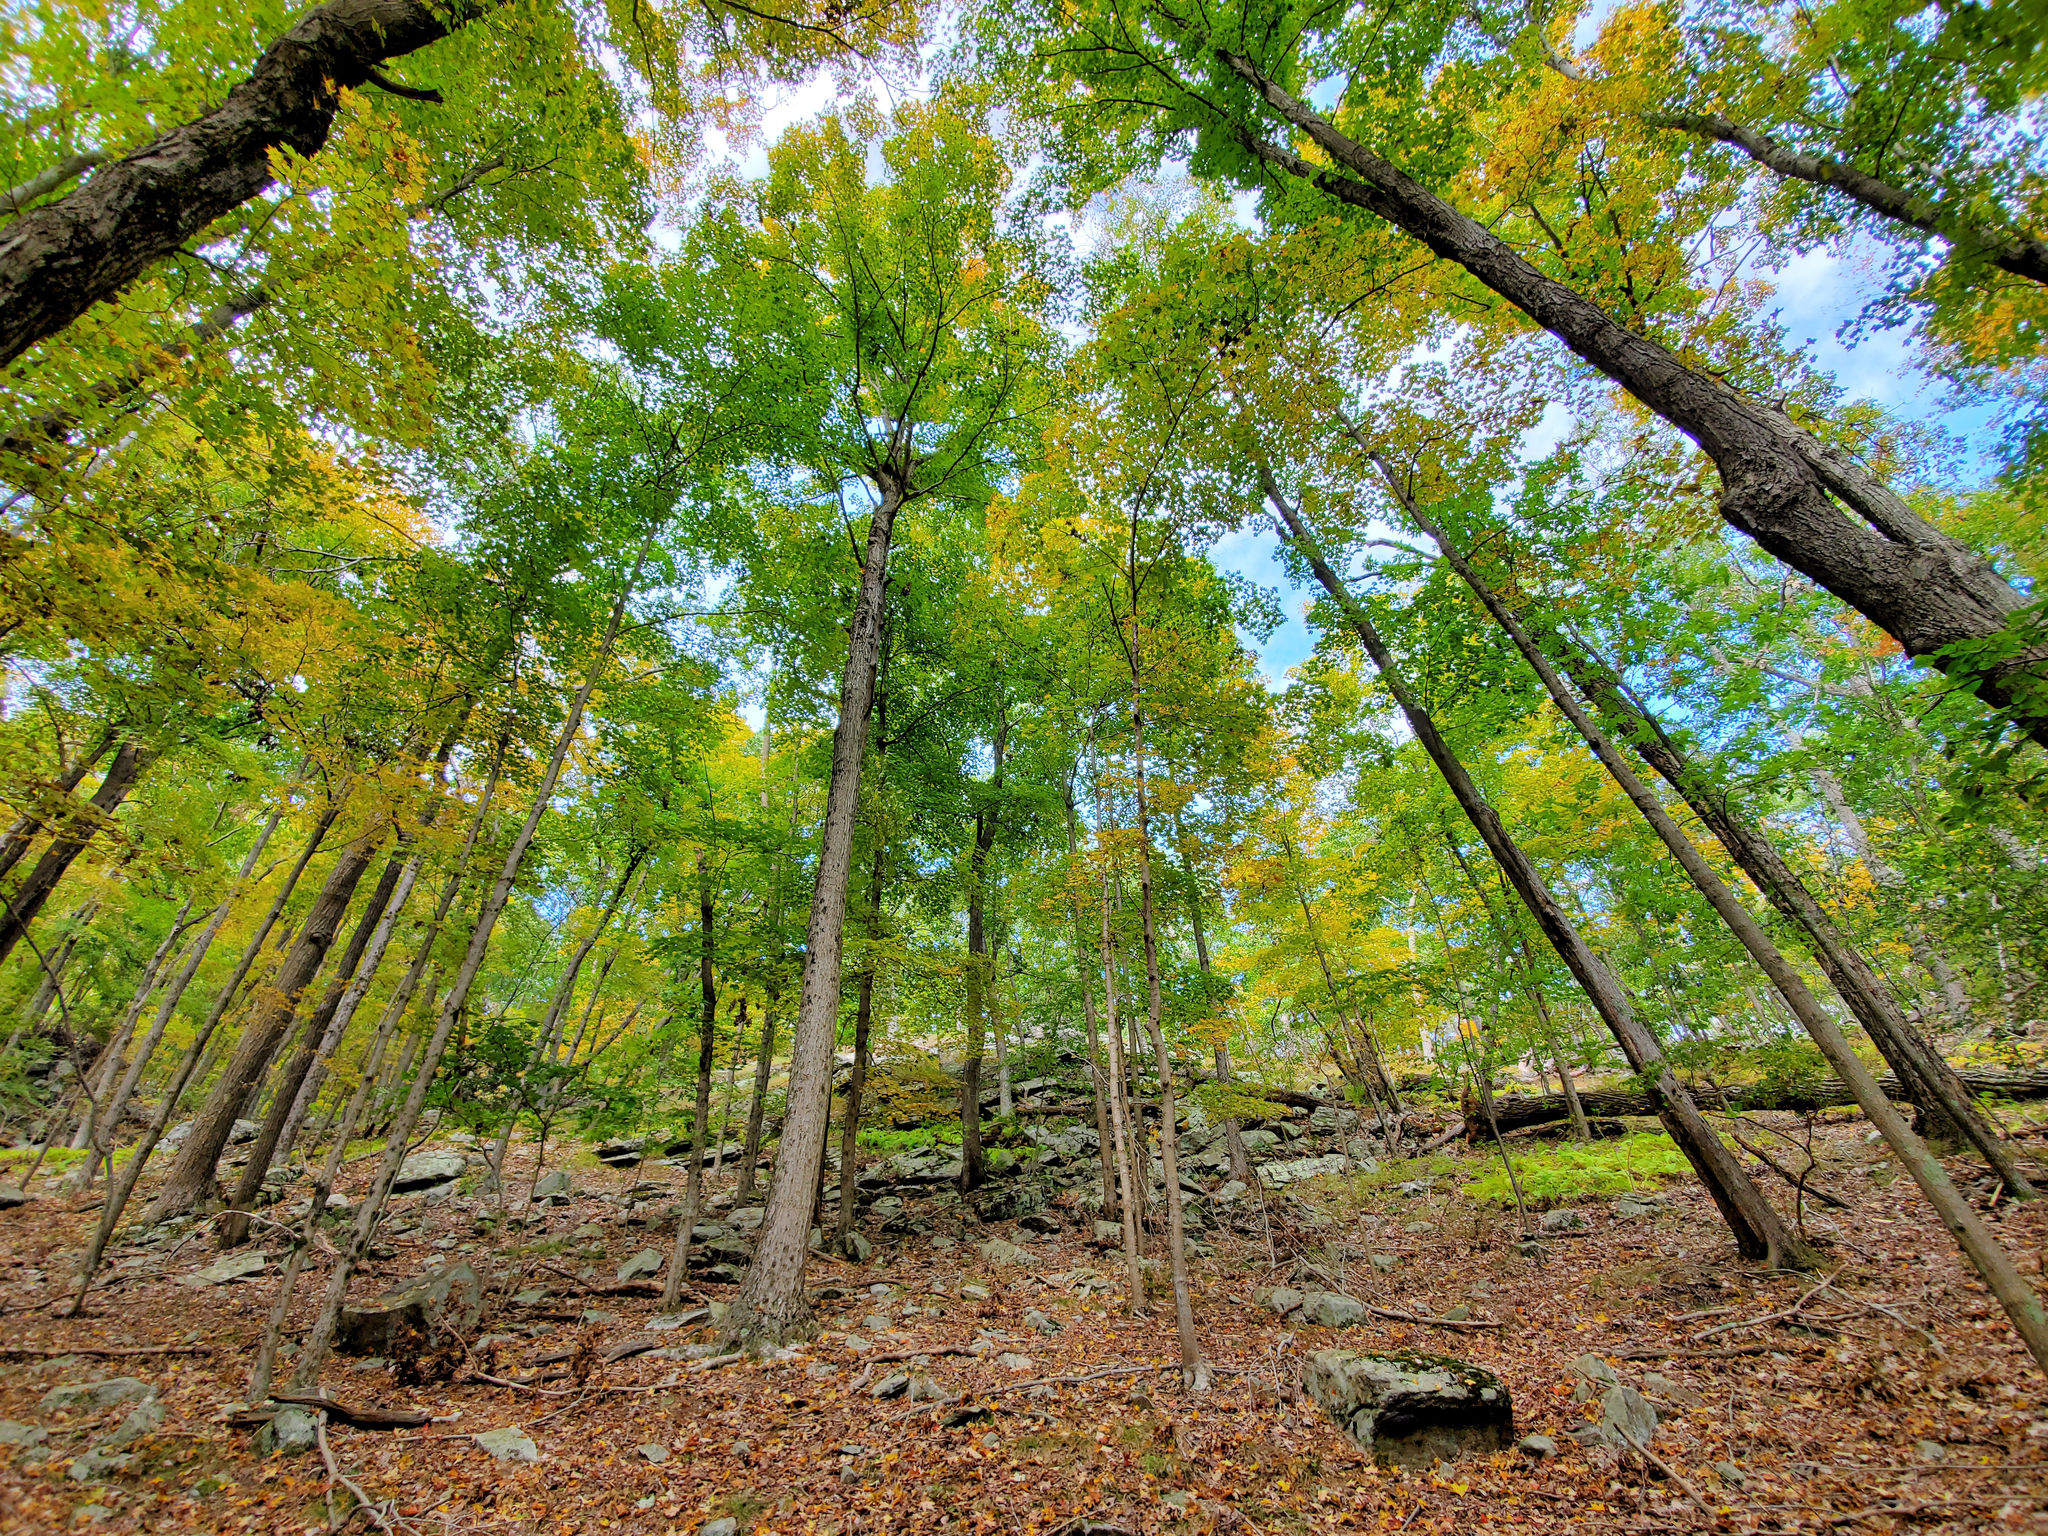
point(1008, 1202)
point(553, 1186)
point(1595, 1376)
point(426, 1170)
point(96, 1464)
point(1626, 1420)
point(998, 1251)
point(449, 1301)
point(1565, 1220)
point(145, 1418)
point(643, 1264)
point(1293, 1170)
point(508, 1444)
point(1281, 1299)
point(11, 1196)
point(1411, 1410)
point(95, 1396)
point(622, 1154)
point(238, 1265)
point(292, 1431)
point(12, 1433)
point(1332, 1309)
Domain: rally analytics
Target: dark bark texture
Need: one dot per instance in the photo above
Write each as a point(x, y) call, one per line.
point(59, 260)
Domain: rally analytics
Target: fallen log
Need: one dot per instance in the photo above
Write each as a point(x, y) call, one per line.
point(358, 1418)
point(1514, 1111)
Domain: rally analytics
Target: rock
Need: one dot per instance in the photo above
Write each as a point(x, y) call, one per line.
point(644, 1263)
point(1041, 1221)
point(451, 1299)
point(1595, 1376)
point(94, 1396)
point(1332, 1309)
point(145, 1418)
point(1109, 1232)
point(655, 1453)
point(1458, 1314)
point(1033, 1318)
point(1417, 1228)
point(96, 1464)
point(428, 1170)
point(726, 1526)
point(997, 1251)
point(1261, 1140)
point(974, 1293)
point(1279, 1299)
point(859, 1249)
point(942, 1244)
point(1232, 1191)
point(1326, 1118)
point(10, 1196)
point(1633, 1207)
point(1537, 1447)
point(1566, 1220)
point(508, 1444)
point(895, 1384)
point(621, 1154)
point(291, 1431)
point(1411, 1410)
point(1294, 1170)
point(1626, 1418)
point(1010, 1201)
point(1385, 1261)
point(238, 1265)
point(1930, 1450)
point(552, 1186)
point(243, 1131)
point(748, 1219)
point(12, 1433)
point(1671, 1391)
point(1729, 1473)
point(1014, 1362)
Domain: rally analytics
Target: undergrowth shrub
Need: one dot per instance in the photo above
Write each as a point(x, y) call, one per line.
point(1569, 1171)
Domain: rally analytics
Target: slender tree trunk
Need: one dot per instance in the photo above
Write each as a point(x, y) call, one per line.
point(1760, 1233)
point(192, 1175)
point(757, 1109)
point(20, 836)
point(1105, 1148)
point(94, 1126)
point(1129, 1165)
point(20, 909)
point(313, 1354)
point(707, 1046)
point(863, 1015)
point(1240, 1165)
point(2028, 1314)
point(771, 1308)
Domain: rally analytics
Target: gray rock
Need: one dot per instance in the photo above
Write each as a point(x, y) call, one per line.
point(1232, 1191)
point(859, 1249)
point(644, 1263)
point(238, 1265)
point(1538, 1447)
point(145, 1418)
point(1333, 1309)
point(508, 1444)
point(655, 1453)
point(12, 1433)
point(997, 1251)
point(895, 1384)
point(11, 1195)
point(975, 1293)
point(1385, 1261)
point(1281, 1299)
point(1033, 1318)
point(1565, 1220)
point(1260, 1140)
point(1729, 1473)
point(290, 1432)
point(452, 1299)
point(1011, 1361)
point(1626, 1417)
point(96, 1464)
point(1458, 1314)
point(93, 1396)
point(1595, 1377)
point(748, 1219)
point(1411, 1410)
point(1930, 1450)
point(1294, 1170)
point(725, 1526)
point(553, 1186)
point(1634, 1207)
point(1109, 1232)
point(1671, 1391)
point(427, 1170)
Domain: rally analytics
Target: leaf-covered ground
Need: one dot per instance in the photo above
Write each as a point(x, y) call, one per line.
point(1886, 1395)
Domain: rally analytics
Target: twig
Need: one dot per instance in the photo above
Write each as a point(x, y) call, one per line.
point(1696, 1354)
point(1072, 1381)
point(391, 1523)
point(1769, 1317)
point(1468, 1323)
point(1668, 1470)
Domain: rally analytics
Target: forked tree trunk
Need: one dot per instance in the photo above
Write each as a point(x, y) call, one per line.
point(1760, 1232)
point(771, 1308)
point(2025, 1309)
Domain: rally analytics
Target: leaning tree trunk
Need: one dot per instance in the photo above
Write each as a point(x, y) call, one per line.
point(192, 1176)
point(2025, 1309)
point(1760, 1232)
point(771, 1308)
point(1930, 1083)
point(18, 910)
point(19, 836)
point(59, 260)
point(320, 1339)
point(1779, 484)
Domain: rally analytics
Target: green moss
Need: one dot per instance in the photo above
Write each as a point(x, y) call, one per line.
point(1569, 1171)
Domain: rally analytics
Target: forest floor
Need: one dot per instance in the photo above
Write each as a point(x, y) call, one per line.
point(1895, 1397)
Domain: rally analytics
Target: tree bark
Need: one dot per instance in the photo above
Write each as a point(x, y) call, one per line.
point(1105, 1147)
point(1760, 1233)
point(1127, 1166)
point(863, 1017)
point(20, 909)
point(22, 834)
point(59, 260)
point(771, 1308)
point(192, 1175)
point(320, 1339)
point(707, 1047)
point(972, 1168)
point(1780, 485)
point(2011, 251)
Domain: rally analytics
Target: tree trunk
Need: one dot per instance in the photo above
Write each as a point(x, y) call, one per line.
point(192, 1176)
point(18, 911)
point(1132, 1201)
point(1105, 1148)
point(1194, 1370)
point(1240, 1165)
point(1760, 1233)
point(316, 1041)
point(764, 1069)
point(1780, 486)
point(979, 974)
point(320, 1339)
point(1931, 1083)
point(707, 1047)
point(2028, 1314)
point(59, 260)
point(21, 835)
point(771, 1308)
point(856, 1087)
point(94, 1127)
